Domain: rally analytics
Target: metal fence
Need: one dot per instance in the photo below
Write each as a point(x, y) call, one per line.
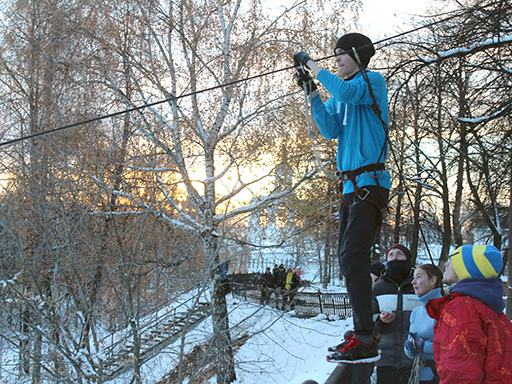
point(304, 303)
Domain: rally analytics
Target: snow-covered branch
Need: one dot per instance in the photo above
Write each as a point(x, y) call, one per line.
point(483, 119)
point(197, 228)
point(464, 51)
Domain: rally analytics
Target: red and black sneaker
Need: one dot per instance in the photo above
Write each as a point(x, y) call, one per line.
point(347, 337)
point(355, 352)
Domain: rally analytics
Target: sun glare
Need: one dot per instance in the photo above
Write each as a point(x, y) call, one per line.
point(258, 181)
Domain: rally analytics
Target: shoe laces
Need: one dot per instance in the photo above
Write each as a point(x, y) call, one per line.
point(353, 342)
point(345, 341)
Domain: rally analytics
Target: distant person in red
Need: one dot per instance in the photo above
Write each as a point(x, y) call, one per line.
point(472, 335)
point(298, 272)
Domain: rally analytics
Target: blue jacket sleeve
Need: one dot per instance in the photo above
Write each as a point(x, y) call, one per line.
point(328, 121)
point(355, 91)
point(428, 350)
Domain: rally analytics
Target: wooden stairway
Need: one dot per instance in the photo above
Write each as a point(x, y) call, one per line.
point(153, 339)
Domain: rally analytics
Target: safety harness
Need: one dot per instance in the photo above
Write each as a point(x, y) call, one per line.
point(363, 193)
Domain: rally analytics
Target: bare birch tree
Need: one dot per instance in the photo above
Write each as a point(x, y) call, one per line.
point(210, 141)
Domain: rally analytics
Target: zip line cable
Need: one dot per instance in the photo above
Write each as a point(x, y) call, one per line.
point(134, 109)
point(456, 13)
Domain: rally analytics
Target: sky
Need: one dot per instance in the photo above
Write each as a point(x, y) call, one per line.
point(384, 18)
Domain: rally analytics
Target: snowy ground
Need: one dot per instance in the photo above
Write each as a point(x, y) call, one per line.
point(283, 349)
point(290, 350)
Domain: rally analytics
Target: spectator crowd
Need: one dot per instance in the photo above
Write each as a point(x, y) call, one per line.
point(426, 335)
point(282, 283)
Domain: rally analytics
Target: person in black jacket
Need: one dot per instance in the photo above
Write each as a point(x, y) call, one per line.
point(279, 284)
point(376, 270)
point(266, 285)
point(394, 299)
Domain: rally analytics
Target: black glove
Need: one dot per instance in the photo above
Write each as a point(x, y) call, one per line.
point(418, 342)
point(301, 57)
point(410, 347)
point(305, 81)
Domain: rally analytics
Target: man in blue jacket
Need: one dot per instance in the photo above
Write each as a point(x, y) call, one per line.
point(357, 116)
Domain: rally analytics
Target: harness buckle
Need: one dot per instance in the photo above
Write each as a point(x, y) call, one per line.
point(366, 193)
point(345, 176)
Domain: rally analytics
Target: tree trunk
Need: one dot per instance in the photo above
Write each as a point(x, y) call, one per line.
point(463, 148)
point(416, 221)
point(509, 250)
point(415, 239)
point(446, 218)
point(324, 261)
point(24, 342)
point(398, 211)
point(136, 353)
point(38, 346)
point(223, 347)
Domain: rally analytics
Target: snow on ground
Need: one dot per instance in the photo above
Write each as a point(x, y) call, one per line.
point(288, 350)
point(283, 349)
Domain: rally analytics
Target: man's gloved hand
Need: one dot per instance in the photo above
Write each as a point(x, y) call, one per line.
point(305, 81)
point(418, 342)
point(301, 57)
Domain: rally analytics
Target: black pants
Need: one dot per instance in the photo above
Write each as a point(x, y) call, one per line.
point(265, 295)
point(358, 224)
point(392, 375)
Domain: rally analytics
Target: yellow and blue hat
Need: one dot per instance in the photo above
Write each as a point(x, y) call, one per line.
point(477, 261)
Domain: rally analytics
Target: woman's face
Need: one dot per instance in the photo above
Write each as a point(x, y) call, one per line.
point(422, 283)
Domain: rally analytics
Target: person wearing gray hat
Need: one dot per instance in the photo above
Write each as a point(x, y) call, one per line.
point(356, 115)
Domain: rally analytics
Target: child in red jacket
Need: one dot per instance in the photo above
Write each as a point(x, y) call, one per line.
point(472, 335)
